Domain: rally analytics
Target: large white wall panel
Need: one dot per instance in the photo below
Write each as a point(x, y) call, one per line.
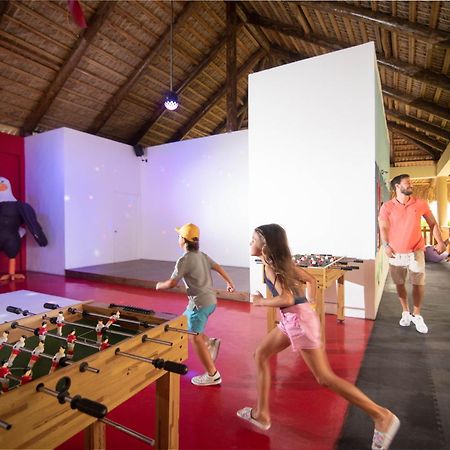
point(204, 181)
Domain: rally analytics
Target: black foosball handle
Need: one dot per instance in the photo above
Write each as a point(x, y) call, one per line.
point(130, 308)
point(51, 306)
point(90, 407)
point(170, 366)
point(14, 310)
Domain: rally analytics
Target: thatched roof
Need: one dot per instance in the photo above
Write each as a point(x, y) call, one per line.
point(110, 78)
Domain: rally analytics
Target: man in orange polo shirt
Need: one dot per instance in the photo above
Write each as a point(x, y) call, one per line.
point(400, 230)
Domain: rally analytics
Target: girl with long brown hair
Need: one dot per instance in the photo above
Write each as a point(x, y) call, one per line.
point(299, 327)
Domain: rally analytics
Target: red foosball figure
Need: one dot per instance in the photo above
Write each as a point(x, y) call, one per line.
point(98, 330)
point(105, 344)
point(71, 338)
point(27, 376)
point(4, 338)
point(17, 348)
point(42, 331)
point(59, 323)
point(4, 372)
point(55, 360)
point(113, 319)
point(36, 354)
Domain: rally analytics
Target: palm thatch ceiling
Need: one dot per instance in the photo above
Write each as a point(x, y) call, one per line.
point(110, 78)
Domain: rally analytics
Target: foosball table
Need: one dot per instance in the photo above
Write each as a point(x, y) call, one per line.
point(327, 270)
point(105, 354)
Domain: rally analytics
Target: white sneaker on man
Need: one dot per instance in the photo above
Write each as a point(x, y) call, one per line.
point(213, 347)
point(206, 379)
point(405, 321)
point(419, 323)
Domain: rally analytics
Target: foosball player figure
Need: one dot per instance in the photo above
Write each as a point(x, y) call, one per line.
point(42, 331)
point(4, 338)
point(98, 330)
point(36, 354)
point(71, 338)
point(4, 372)
point(27, 376)
point(59, 323)
point(61, 353)
point(17, 348)
point(113, 319)
point(105, 344)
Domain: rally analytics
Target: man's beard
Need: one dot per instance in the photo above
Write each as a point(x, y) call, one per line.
point(406, 191)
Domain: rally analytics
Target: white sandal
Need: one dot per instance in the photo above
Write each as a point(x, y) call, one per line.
point(246, 414)
point(382, 440)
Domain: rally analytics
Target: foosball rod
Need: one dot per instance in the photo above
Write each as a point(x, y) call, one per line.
point(54, 336)
point(159, 363)
point(84, 366)
point(5, 425)
point(18, 311)
point(128, 431)
point(89, 327)
point(104, 316)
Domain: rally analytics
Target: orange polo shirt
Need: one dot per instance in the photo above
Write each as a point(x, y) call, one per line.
point(405, 233)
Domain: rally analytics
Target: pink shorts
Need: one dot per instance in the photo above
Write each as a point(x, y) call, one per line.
point(301, 325)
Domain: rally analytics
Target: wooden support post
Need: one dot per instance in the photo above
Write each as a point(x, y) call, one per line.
point(95, 436)
point(340, 299)
point(167, 411)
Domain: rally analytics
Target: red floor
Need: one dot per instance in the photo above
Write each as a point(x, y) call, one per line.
point(304, 415)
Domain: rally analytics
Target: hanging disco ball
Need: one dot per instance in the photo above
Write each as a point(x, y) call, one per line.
point(171, 101)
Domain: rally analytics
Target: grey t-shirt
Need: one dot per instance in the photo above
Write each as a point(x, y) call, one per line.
point(195, 269)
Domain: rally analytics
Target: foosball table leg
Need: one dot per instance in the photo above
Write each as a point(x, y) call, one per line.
point(95, 436)
point(167, 411)
point(340, 299)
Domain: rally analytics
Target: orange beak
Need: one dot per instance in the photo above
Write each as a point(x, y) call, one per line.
point(3, 187)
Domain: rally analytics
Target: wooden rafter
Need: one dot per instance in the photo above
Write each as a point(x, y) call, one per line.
point(417, 73)
point(418, 103)
point(66, 70)
point(254, 30)
point(387, 21)
point(247, 66)
point(424, 126)
point(231, 82)
point(115, 101)
point(159, 112)
point(430, 151)
point(3, 7)
point(437, 146)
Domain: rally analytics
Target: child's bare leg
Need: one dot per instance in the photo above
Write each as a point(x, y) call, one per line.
point(273, 343)
point(317, 361)
point(201, 348)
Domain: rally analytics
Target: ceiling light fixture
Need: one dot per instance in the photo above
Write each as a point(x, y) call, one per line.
point(171, 100)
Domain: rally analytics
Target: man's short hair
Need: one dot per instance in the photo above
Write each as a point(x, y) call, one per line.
point(397, 180)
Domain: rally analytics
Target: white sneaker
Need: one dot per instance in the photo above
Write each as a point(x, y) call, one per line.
point(405, 321)
point(206, 379)
point(420, 324)
point(213, 347)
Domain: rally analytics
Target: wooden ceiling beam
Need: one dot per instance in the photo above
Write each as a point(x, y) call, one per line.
point(417, 73)
point(254, 30)
point(116, 99)
point(245, 68)
point(437, 146)
point(159, 112)
point(424, 126)
point(418, 103)
point(387, 21)
point(67, 68)
point(435, 155)
point(231, 79)
point(3, 8)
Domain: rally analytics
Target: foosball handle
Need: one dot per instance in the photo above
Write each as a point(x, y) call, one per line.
point(51, 306)
point(170, 366)
point(90, 407)
point(14, 310)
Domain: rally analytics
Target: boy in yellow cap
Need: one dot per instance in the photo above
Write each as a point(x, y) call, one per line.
point(194, 267)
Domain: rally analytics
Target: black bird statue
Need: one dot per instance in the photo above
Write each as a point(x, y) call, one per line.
point(13, 214)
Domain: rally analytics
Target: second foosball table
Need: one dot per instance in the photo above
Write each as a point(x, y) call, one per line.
point(328, 270)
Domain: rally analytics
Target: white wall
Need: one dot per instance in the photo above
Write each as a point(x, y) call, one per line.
point(44, 175)
point(204, 181)
point(101, 181)
point(312, 155)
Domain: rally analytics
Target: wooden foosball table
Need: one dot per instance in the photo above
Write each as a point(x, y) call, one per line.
point(105, 354)
point(328, 270)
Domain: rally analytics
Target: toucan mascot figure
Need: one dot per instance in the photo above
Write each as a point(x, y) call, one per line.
point(13, 214)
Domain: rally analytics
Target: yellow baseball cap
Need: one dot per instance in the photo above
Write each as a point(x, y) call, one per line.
point(189, 231)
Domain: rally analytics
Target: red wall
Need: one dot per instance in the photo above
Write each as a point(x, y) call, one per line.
point(12, 166)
